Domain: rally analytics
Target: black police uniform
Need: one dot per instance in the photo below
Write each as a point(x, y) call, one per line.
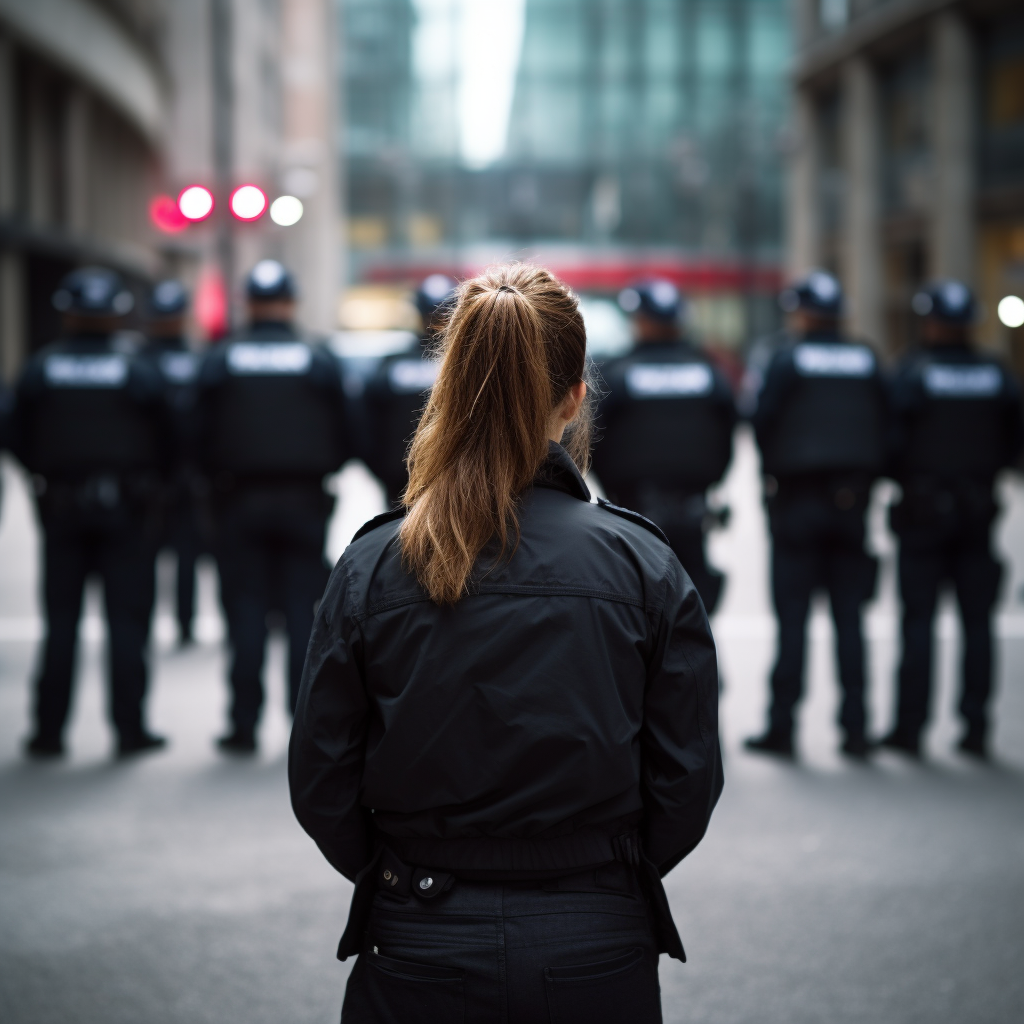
point(398, 390)
point(90, 426)
point(666, 424)
point(181, 521)
point(820, 424)
point(957, 423)
point(432, 756)
point(273, 424)
point(394, 399)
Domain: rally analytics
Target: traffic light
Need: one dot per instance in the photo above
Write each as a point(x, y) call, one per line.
point(165, 215)
point(195, 203)
point(248, 202)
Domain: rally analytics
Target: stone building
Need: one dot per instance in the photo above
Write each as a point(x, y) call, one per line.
point(908, 155)
point(106, 104)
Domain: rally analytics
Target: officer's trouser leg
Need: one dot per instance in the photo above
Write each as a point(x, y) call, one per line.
point(245, 571)
point(187, 549)
point(921, 575)
point(689, 547)
point(846, 598)
point(976, 575)
point(305, 577)
point(126, 565)
point(65, 566)
point(794, 572)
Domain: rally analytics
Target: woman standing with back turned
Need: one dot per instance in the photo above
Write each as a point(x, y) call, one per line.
point(507, 728)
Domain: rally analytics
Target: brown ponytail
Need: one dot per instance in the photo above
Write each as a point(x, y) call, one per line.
point(513, 347)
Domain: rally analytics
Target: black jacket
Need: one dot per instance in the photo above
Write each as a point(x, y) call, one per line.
point(571, 696)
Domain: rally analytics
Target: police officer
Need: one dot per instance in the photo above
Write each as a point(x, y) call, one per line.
point(958, 422)
point(396, 393)
point(666, 422)
point(273, 424)
point(820, 423)
point(90, 426)
point(168, 349)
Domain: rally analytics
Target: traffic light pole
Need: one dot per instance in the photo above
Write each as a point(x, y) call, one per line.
point(223, 142)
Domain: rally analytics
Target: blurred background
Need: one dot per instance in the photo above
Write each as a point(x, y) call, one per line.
point(725, 145)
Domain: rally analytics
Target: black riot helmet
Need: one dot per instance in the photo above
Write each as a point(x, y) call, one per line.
point(270, 281)
point(950, 301)
point(657, 299)
point(819, 292)
point(93, 292)
point(168, 299)
point(434, 291)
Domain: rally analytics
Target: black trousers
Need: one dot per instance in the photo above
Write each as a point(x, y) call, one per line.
point(818, 544)
point(270, 543)
point(183, 536)
point(512, 952)
point(967, 563)
point(119, 549)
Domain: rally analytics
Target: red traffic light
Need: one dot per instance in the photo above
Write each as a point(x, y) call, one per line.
point(195, 202)
point(165, 215)
point(248, 202)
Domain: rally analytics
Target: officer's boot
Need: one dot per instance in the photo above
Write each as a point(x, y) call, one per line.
point(774, 741)
point(903, 742)
point(974, 741)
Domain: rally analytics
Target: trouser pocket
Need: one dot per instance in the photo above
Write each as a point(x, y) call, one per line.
point(621, 989)
point(387, 991)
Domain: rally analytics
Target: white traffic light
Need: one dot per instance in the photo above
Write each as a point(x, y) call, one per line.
point(1011, 311)
point(248, 202)
point(286, 210)
point(195, 202)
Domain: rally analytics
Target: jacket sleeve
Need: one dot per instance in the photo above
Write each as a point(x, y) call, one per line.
point(681, 762)
point(328, 741)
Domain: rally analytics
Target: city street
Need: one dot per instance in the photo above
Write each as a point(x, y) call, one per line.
point(179, 888)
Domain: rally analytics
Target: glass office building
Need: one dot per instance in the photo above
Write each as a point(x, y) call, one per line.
point(611, 138)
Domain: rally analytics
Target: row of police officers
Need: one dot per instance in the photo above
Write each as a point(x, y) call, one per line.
point(829, 423)
point(130, 451)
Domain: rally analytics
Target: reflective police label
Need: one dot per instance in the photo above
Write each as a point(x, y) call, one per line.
point(962, 381)
point(669, 380)
point(179, 367)
point(827, 360)
point(86, 371)
point(269, 359)
point(410, 376)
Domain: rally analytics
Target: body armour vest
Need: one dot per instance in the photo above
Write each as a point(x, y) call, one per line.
point(957, 424)
point(668, 418)
point(825, 410)
point(90, 412)
point(396, 397)
point(275, 410)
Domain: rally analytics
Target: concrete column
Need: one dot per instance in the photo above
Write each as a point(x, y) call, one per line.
point(313, 246)
point(951, 243)
point(12, 288)
point(862, 241)
point(803, 228)
point(77, 155)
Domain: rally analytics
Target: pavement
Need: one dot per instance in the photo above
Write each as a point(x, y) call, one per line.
point(179, 888)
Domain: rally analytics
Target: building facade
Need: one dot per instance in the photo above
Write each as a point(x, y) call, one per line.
point(106, 104)
point(631, 136)
point(908, 158)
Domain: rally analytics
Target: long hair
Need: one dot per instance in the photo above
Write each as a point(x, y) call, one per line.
point(512, 348)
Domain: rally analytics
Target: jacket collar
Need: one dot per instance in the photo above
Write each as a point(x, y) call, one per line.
point(560, 473)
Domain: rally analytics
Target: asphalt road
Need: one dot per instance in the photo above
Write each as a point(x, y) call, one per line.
point(179, 888)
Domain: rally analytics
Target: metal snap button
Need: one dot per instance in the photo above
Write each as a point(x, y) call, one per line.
point(426, 883)
point(387, 876)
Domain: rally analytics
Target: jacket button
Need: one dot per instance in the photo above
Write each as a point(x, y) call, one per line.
point(387, 876)
point(426, 883)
